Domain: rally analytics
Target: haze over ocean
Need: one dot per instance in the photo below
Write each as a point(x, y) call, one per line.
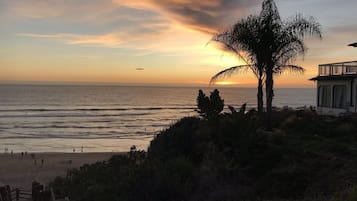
point(49, 118)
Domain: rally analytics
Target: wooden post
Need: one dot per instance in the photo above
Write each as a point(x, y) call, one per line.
point(8, 192)
point(17, 194)
point(53, 197)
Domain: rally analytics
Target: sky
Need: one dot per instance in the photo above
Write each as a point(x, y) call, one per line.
point(152, 42)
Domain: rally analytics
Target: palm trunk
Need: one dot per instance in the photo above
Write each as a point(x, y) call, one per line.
point(269, 82)
point(260, 96)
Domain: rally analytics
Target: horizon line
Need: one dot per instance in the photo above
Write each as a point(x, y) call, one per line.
point(69, 83)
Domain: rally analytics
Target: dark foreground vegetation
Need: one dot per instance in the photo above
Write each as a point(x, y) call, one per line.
point(230, 156)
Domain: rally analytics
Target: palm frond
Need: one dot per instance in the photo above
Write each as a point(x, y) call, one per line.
point(229, 72)
point(270, 11)
point(300, 25)
point(289, 49)
point(225, 39)
point(291, 69)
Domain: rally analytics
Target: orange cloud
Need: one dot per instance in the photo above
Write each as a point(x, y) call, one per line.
point(206, 16)
point(174, 40)
point(114, 39)
point(109, 40)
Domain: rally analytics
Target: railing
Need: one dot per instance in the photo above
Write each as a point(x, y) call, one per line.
point(38, 193)
point(20, 194)
point(8, 194)
point(342, 68)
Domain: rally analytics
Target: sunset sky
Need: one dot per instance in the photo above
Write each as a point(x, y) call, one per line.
point(151, 41)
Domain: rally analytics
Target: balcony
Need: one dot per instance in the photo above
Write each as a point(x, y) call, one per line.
point(343, 68)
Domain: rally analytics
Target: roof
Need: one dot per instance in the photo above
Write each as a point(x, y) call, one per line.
point(353, 44)
point(339, 63)
point(335, 77)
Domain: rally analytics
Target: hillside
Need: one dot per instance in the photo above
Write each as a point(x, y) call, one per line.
point(231, 157)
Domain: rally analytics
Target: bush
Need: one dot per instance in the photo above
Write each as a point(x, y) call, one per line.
point(209, 107)
point(176, 141)
point(349, 195)
point(306, 156)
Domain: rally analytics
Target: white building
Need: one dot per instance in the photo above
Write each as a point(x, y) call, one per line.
point(337, 88)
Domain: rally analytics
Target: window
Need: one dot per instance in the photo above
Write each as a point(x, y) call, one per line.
point(324, 96)
point(351, 69)
point(340, 96)
point(337, 70)
point(324, 70)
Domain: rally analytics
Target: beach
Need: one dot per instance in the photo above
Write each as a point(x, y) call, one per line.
point(19, 171)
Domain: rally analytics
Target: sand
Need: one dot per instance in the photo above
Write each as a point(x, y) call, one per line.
point(19, 171)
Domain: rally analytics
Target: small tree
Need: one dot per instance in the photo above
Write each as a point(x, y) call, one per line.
point(209, 107)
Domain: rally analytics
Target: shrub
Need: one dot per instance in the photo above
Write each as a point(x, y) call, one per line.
point(209, 107)
point(350, 195)
point(306, 156)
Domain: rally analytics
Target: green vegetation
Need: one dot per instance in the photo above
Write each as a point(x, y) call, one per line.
point(305, 157)
point(268, 45)
point(209, 107)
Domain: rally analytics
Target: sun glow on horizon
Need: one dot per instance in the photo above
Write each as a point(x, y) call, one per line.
point(226, 83)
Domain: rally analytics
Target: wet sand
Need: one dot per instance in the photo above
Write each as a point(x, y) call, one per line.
point(19, 171)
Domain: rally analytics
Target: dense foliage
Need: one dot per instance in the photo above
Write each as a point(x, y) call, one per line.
point(229, 157)
point(306, 156)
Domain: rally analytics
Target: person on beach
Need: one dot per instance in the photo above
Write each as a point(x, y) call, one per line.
point(42, 161)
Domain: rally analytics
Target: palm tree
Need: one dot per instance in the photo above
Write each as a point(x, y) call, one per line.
point(271, 44)
point(240, 41)
point(282, 41)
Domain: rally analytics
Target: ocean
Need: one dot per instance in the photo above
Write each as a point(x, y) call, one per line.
point(53, 118)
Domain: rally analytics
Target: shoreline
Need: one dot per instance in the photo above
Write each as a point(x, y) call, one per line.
point(19, 171)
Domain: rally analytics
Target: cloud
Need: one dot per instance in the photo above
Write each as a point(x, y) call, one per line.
point(171, 27)
point(121, 23)
point(88, 22)
point(207, 16)
point(57, 36)
point(37, 9)
point(107, 40)
point(171, 41)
